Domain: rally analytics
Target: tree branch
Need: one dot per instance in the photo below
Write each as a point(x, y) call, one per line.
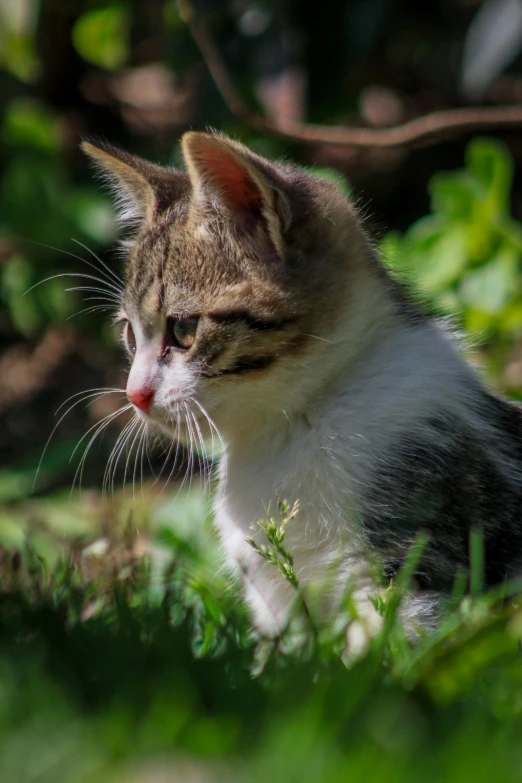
point(427, 129)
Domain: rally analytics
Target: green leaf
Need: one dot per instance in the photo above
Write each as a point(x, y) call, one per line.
point(102, 37)
point(27, 122)
point(14, 484)
point(12, 532)
point(92, 213)
point(489, 288)
point(15, 280)
point(446, 260)
point(453, 195)
point(181, 516)
point(56, 301)
point(424, 232)
point(492, 166)
point(391, 248)
point(18, 56)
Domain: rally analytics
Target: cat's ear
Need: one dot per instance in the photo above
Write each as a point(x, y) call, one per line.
point(223, 173)
point(142, 189)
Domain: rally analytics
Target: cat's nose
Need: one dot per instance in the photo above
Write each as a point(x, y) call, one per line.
point(141, 398)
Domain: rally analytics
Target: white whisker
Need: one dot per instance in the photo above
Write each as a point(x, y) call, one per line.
point(213, 428)
point(94, 309)
point(110, 287)
point(129, 456)
point(207, 460)
point(107, 295)
point(175, 443)
point(190, 455)
point(144, 447)
point(106, 474)
point(99, 427)
point(105, 266)
point(89, 394)
point(117, 282)
point(119, 446)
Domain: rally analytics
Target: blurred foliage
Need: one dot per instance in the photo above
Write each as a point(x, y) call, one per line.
point(17, 39)
point(101, 36)
point(466, 256)
point(124, 656)
point(36, 190)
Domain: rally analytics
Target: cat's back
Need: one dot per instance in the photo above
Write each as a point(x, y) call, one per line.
point(453, 474)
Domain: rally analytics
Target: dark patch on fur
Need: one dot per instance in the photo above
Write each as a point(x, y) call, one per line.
point(143, 284)
point(161, 270)
point(406, 306)
point(161, 296)
point(447, 483)
point(249, 320)
point(244, 365)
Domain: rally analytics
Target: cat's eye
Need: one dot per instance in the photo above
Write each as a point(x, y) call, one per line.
point(130, 338)
point(181, 332)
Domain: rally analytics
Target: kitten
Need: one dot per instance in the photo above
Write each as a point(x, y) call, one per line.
point(254, 297)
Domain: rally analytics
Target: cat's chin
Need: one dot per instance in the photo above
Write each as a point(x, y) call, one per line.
point(173, 430)
point(178, 429)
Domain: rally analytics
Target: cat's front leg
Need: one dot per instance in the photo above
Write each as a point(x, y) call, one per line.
point(416, 613)
point(367, 623)
point(270, 597)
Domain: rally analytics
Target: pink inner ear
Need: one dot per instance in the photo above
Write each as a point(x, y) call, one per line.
point(230, 179)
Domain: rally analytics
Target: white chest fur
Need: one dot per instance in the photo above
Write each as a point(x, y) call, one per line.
point(325, 460)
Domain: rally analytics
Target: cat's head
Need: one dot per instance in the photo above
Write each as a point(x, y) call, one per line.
point(239, 276)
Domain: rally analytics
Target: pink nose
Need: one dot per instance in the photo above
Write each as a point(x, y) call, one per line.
point(141, 398)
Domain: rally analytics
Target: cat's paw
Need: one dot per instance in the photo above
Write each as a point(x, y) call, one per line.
point(360, 631)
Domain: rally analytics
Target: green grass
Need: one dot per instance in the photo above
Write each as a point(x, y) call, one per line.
point(125, 655)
